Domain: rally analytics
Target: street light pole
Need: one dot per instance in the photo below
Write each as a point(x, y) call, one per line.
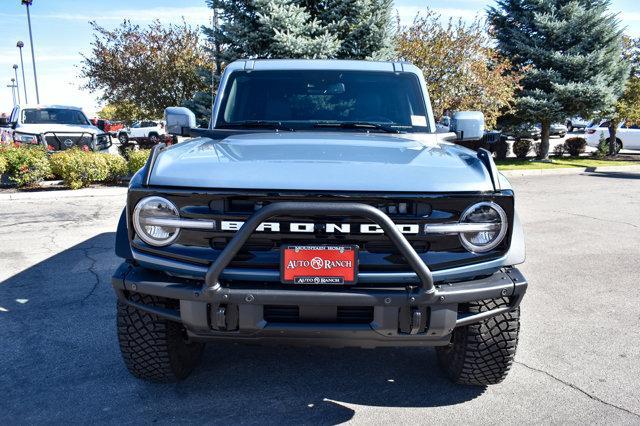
point(20, 45)
point(28, 3)
point(13, 90)
point(15, 71)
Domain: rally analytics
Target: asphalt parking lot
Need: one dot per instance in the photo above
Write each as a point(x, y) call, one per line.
point(578, 359)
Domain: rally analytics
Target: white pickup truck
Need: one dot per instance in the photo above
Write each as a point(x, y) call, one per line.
point(56, 127)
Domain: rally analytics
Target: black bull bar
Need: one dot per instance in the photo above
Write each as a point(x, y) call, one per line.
point(212, 278)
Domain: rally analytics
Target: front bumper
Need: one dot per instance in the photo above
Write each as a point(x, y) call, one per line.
point(400, 317)
point(413, 315)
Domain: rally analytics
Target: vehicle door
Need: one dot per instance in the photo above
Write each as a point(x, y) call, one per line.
point(630, 135)
point(136, 131)
point(152, 127)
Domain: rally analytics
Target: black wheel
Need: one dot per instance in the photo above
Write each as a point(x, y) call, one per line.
point(123, 138)
point(481, 354)
point(154, 138)
point(153, 348)
point(618, 145)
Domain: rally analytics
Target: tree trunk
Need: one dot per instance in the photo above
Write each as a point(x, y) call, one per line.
point(613, 127)
point(544, 141)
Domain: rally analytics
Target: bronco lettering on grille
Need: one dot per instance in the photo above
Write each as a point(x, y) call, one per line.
point(329, 228)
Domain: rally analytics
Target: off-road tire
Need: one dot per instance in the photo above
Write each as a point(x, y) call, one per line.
point(155, 349)
point(481, 354)
point(154, 138)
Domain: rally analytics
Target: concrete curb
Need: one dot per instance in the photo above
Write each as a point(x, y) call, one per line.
point(570, 171)
point(111, 191)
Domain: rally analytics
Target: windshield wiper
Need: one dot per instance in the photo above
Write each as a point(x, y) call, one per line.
point(356, 125)
point(263, 124)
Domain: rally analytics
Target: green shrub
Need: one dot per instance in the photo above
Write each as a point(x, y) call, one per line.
point(26, 165)
point(575, 146)
point(79, 168)
point(603, 147)
point(3, 164)
point(521, 148)
point(559, 150)
point(117, 167)
point(137, 159)
point(502, 149)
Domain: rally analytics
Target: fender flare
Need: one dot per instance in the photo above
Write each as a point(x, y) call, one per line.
point(123, 248)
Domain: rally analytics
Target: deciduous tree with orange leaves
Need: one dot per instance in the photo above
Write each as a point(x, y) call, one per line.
point(462, 71)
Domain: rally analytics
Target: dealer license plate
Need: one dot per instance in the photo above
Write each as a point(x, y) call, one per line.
point(319, 265)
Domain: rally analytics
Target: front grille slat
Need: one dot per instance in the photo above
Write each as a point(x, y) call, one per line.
point(345, 315)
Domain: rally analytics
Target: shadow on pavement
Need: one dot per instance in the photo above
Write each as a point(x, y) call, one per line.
point(615, 175)
point(59, 353)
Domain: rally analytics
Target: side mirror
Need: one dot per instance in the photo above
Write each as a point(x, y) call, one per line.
point(179, 120)
point(468, 125)
point(443, 125)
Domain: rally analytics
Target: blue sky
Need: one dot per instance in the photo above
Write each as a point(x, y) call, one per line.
point(61, 32)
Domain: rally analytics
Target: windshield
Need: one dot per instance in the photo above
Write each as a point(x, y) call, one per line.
point(303, 99)
point(53, 116)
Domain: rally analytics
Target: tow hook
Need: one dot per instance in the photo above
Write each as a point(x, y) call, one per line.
point(224, 317)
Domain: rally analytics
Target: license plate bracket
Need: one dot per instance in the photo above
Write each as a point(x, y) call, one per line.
point(319, 264)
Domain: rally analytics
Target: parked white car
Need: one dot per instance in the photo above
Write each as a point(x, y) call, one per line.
point(144, 132)
point(57, 127)
point(627, 135)
point(577, 123)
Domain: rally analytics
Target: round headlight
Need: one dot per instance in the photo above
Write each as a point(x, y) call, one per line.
point(146, 217)
point(491, 226)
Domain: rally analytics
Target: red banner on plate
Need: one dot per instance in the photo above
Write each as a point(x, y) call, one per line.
point(319, 264)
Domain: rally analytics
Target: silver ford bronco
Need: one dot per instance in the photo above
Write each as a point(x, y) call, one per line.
point(320, 207)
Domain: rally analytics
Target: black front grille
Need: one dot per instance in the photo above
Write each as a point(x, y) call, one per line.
point(329, 315)
point(60, 141)
point(377, 253)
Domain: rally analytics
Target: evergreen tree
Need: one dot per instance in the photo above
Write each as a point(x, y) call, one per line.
point(570, 52)
point(270, 29)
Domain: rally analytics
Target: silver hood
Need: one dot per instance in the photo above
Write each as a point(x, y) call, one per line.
point(322, 161)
